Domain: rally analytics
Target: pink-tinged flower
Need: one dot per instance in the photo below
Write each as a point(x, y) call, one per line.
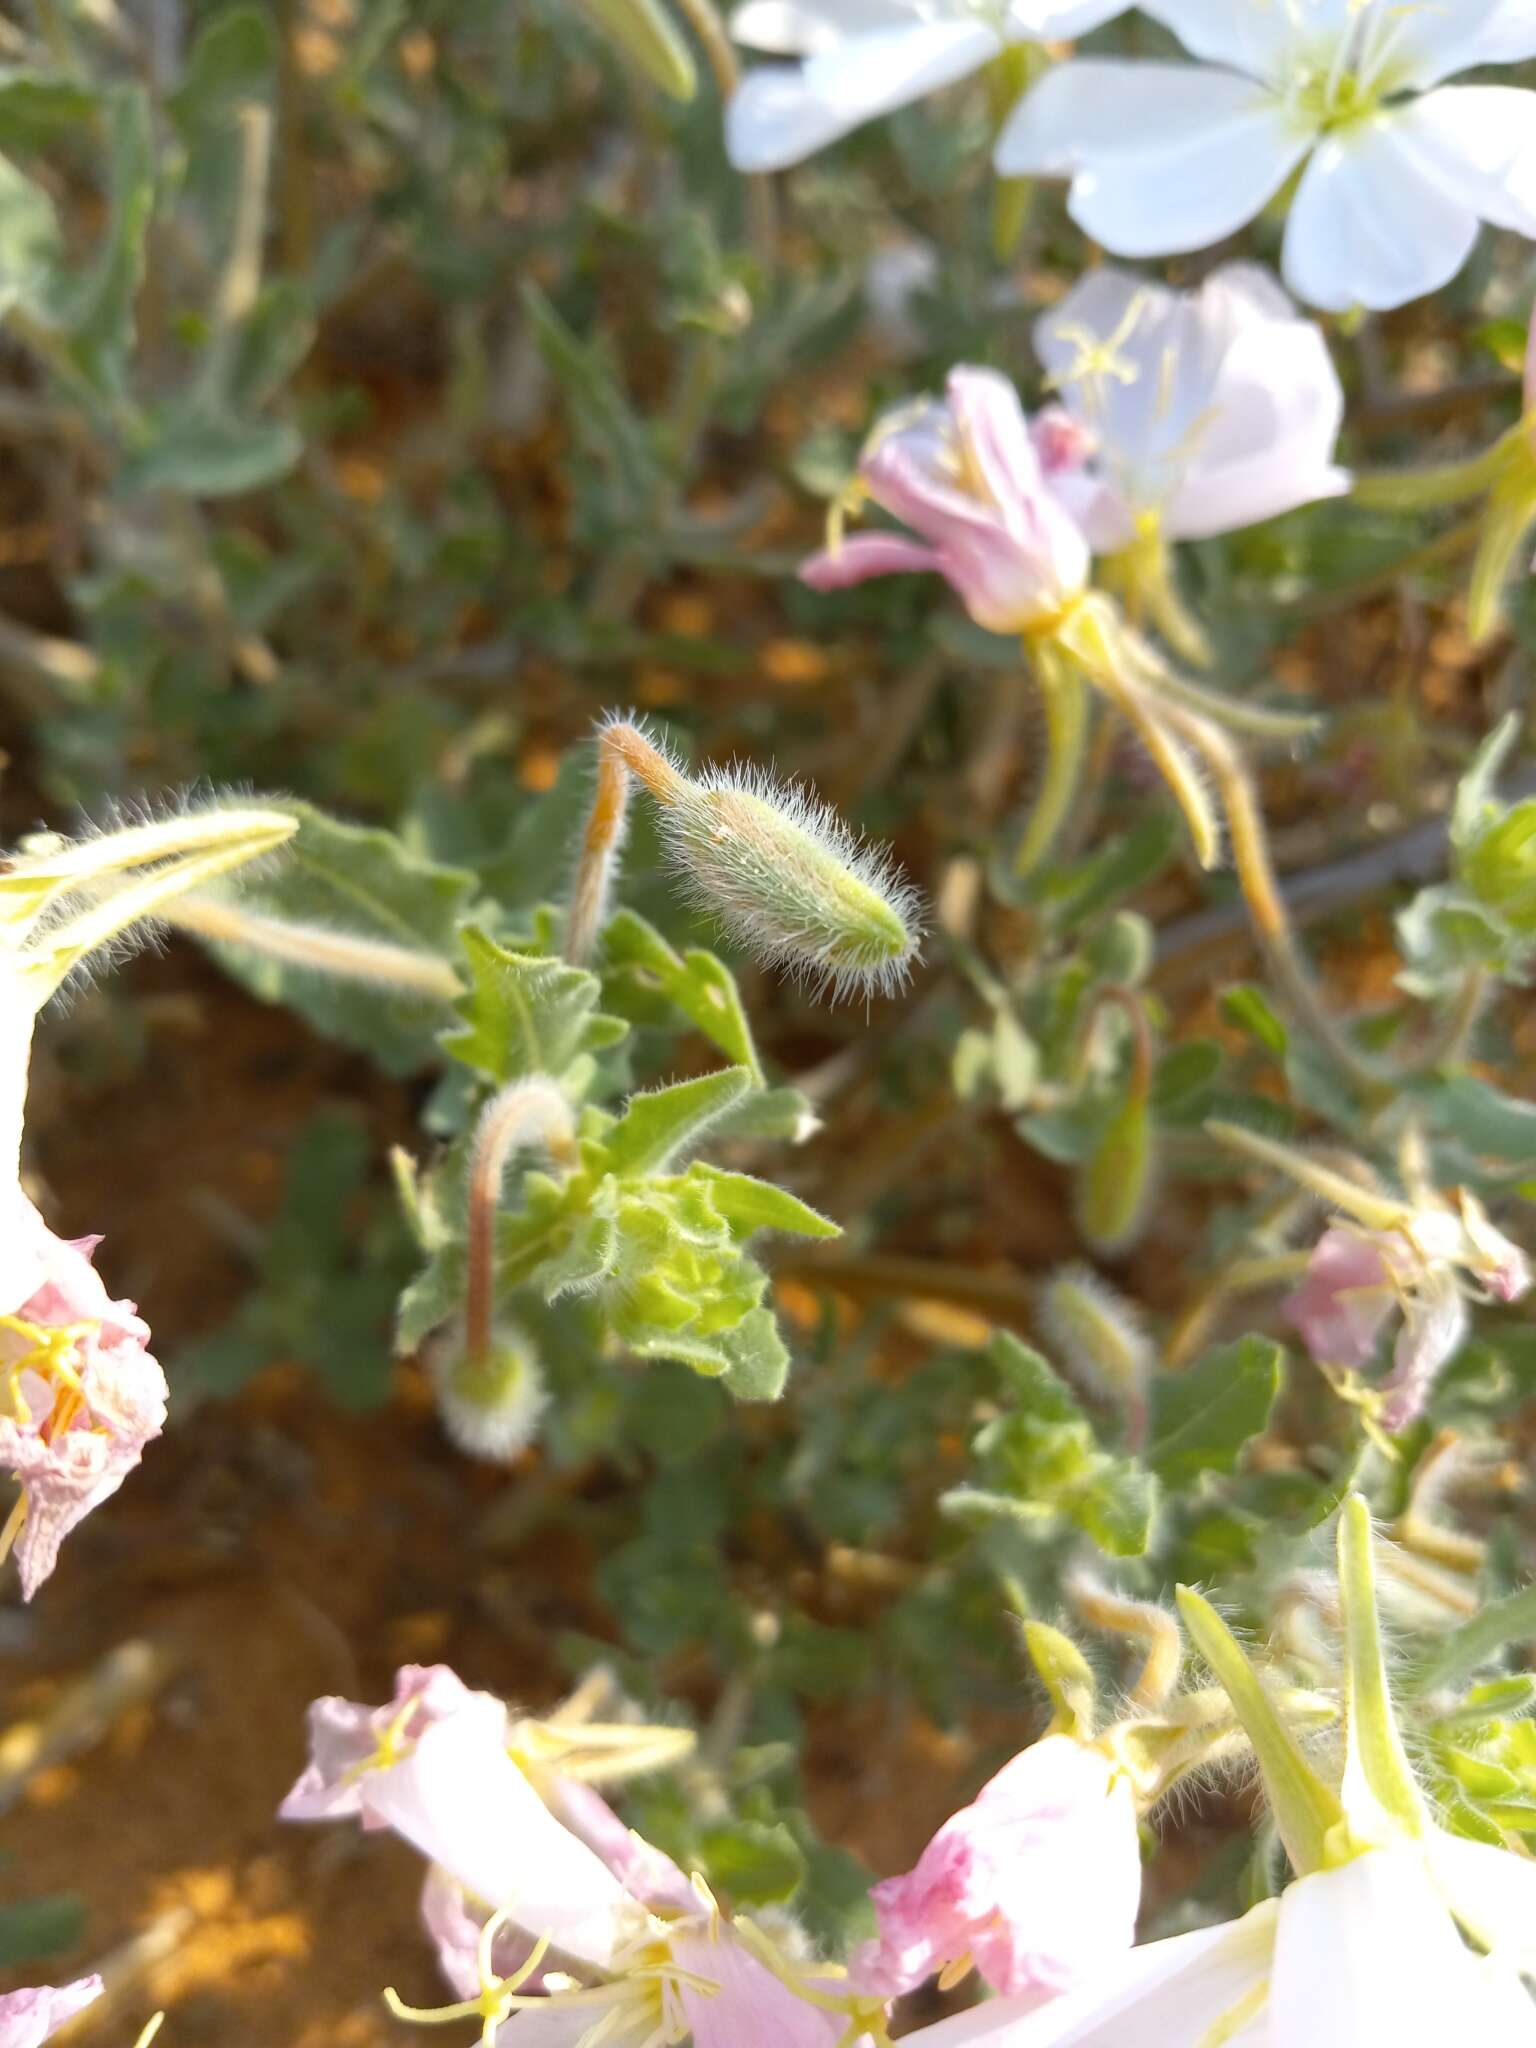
point(349, 1743)
point(1425, 1267)
point(28, 2018)
point(80, 1395)
point(1210, 410)
point(965, 475)
point(460, 1799)
point(1037, 1882)
point(456, 1927)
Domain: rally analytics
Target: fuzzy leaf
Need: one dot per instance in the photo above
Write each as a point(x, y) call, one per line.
point(701, 986)
point(356, 880)
point(750, 1204)
point(526, 1013)
point(658, 1125)
point(1202, 1417)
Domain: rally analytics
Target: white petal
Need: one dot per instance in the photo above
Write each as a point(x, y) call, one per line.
point(468, 1807)
point(1059, 20)
point(1274, 419)
point(1440, 41)
point(1164, 157)
point(799, 28)
point(1478, 144)
point(1162, 1995)
point(1367, 228)
point(781, 115)
point(1249, 36)
point(1492, 1893)
point(1367, 1956)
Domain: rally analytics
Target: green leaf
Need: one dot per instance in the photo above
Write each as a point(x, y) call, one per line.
point(358, 880)
point(602, 418)
point(1488, 1122)
point(584, 1262)
point(645, 34)
point(1126, 864)
point(93, 305)
point(1202, 1417)
point(1250, 1009)
point(1476, 1643)
point(234, 59)
point(526, 1013)
point(31, 245)
point(753, 1863)
point(757, 1359)
point(750, 1204)
point(701, 986)
point(658, 1125)
point(33, 1929)
point(1041, 1462)
point(1477, 804)
point(1185, 1076)
point(1115, 1180)
point(202, 453)
point(36, 105)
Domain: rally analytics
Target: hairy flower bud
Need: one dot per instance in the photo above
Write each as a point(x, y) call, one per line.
point(790, 881)
point(492, 1404)
point(1100, 1336)
point(775, 865)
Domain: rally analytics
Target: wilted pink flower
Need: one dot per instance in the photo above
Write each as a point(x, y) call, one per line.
point(964, 475)
point(545, 1859)
point(28, 2018)
point(1424, 1268)
point(1037, 1882)
point(349, 1743)
point(80, 1396)
point(456, 1925)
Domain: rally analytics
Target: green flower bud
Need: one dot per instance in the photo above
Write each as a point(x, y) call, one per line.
point(790, 881)
point(491, 1404)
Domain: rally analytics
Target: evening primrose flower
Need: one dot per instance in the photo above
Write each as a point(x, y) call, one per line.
point(30, 2017)
point(862, 58)
point(1199, 412)
point(1400, 168)
point(1037, 1883)
point(1368, 1947)
point(657, 1966)
point(80, 1396)
point(965, 475)
point(1423, 1257)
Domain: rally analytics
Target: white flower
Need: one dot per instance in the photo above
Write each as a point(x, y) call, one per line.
point(1367, 1955)
point(1208, 410)
point(865, 57)
point(1169, 157)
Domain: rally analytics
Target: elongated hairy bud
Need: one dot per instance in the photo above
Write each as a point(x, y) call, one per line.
point(1101, 1337)
point(491, 1402)
point(774, 864)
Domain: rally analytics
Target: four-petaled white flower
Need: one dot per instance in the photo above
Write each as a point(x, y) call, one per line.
point(1206, 411)
point(861, 58)
point(1171, 157)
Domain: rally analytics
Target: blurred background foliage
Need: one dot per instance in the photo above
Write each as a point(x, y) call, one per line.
point(389, 386)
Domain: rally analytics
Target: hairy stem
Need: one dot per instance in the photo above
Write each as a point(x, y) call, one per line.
point(529, 1112)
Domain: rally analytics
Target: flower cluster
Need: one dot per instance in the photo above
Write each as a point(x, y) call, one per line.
point(1397, 168)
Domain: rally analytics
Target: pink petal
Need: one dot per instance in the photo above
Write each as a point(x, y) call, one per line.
point(864, 555)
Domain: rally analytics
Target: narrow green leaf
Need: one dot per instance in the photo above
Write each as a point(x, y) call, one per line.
point(526, 1013)
point(750, 1204)
point(701, 986)
point(1379, 1785)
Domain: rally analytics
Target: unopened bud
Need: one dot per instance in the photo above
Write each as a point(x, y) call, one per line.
point(774, 864)
point(1100, 1337)
point(791, 882)
point(491, 1403)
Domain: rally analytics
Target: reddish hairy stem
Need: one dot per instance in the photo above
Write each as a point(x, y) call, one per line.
point(528, 1112)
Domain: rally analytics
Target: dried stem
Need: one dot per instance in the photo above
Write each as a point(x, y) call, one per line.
point(529, 1112)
